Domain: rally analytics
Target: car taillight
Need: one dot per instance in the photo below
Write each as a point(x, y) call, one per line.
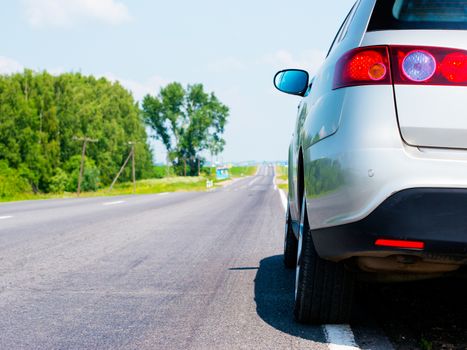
point(454, 67)
point(418, 65)
point(363, 66)
point(428, 65)
point(403, 65)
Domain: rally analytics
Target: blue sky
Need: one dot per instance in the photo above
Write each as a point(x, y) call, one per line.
point(233, 48)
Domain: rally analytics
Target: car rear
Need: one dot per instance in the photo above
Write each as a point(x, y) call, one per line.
point(402, 150)
point(386, 190)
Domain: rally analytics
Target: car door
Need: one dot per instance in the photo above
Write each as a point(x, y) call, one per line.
point(295, 192)
point(293, 160)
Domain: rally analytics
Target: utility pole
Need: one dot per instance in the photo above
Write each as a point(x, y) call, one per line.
point(85, 141)
point(167, 160)
point(212, 163)
point(133, 170)
point(133, 173)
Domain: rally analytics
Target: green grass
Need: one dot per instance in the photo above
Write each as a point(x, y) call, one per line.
point(170, 184)
point(282, 177)
point(151, 186)
point(240, 171)
point(32, 196)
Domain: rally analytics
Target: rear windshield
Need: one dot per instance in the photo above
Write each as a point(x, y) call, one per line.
point(419, 14)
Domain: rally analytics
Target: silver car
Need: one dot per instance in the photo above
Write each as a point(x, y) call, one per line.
point(378, 158)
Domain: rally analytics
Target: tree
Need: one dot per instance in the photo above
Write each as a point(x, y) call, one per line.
point(40, 114)
point(188, 122)
point(215, 146)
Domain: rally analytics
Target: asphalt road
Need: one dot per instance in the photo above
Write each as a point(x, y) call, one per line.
point(175, 271)
point(169, 271)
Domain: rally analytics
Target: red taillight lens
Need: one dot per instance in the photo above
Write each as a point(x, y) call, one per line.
point(363, 66)
point(393, 243)
point(401, 65)
point(454, 67)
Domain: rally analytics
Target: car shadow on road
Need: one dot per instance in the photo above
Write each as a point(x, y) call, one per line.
point(417, 315)
point(274, 295)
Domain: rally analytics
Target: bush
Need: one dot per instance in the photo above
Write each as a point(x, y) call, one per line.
point(90, 181)
point(58, 183)
point(11, 182)
point(160, 171)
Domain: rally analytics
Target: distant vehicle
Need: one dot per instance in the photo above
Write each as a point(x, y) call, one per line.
point(378, 158)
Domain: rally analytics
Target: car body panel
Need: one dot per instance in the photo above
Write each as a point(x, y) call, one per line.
point(309, 130)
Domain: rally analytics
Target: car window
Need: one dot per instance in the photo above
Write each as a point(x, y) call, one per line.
point(343, 29)
point(419, 14)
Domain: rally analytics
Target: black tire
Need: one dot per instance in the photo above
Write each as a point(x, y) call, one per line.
point(323, 289)
point(290, 243)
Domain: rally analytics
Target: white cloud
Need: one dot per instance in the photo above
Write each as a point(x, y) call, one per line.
point(309, 60)
point(9, 66)
point(139, 89)
point(64, 13)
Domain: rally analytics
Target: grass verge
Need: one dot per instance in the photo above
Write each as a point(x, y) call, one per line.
point(282, 177)
point(151, 186)
point(240, 171)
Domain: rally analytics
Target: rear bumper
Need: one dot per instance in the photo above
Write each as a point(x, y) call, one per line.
point(435, 216)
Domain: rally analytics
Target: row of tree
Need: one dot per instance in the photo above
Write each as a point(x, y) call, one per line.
point(43, 117)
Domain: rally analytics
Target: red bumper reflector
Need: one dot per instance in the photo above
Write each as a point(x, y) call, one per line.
point(399, 244)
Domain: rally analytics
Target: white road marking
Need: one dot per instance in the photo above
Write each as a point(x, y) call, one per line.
point(253, 181)
point(113, 203)
point(283, 199)
point(5, 217)
point(274, 185)
point(340, 337)
point(163, 193)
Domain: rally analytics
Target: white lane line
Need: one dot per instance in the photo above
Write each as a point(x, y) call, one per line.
point(283, 198)
point(163, 194)
point(340, 337)
point(113, 203)
point(5, 217)
point(274, 179)
point(252, 182)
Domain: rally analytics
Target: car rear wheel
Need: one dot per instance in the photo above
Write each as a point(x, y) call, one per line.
point(323, 289)
point(290, 243)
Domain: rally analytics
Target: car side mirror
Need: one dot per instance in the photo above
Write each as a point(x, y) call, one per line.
point(292, 81)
